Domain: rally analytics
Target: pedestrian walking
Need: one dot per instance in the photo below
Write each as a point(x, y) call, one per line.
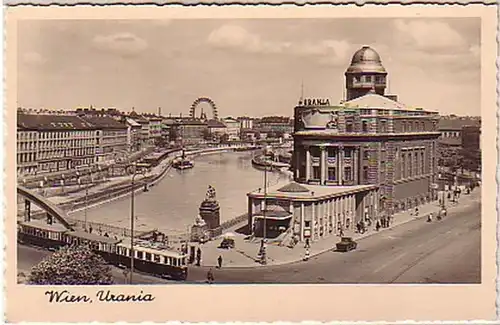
point(377, 225)
point(219, 260)
point(210, 276)
point(341, 232)
point(198, 257)
point(416, 211)
point(306, 256)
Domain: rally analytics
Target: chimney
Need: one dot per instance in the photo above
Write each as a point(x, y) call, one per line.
point(159, 111)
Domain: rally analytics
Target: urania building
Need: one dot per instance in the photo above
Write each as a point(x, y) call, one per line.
point(369, 156)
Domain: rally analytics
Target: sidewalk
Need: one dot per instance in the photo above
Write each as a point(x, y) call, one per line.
point(245, 252)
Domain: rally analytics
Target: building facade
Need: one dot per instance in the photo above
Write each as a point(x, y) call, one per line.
point(56, 141)
point(232, 128)
point(49, 143)
point(368, 157)
point(111, 137)
point(471, 147)
point(155, 129)
point(188, 130)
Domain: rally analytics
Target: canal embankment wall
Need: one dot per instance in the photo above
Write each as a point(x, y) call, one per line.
point(123, 189)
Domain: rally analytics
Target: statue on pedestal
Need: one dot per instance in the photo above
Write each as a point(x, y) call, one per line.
point(211, 195)
point(210, 209)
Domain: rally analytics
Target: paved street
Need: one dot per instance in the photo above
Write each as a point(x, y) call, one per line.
point(446, 251)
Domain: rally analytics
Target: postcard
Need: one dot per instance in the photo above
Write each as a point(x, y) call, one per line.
point(250, 163)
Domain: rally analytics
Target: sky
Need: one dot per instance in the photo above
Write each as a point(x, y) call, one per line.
point(252, 67)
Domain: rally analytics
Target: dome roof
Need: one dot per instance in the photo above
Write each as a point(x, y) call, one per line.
point(293, 188)
point(366, 59)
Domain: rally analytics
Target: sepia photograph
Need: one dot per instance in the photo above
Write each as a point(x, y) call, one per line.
point(215, 151)
point(183, 163)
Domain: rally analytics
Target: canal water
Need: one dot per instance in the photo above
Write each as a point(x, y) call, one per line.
point(172, 204)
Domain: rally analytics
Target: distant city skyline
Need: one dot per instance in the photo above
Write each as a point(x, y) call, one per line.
point(248, 67)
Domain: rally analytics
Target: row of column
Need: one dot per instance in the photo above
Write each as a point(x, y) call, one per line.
point(326, 215)
point(339, 157)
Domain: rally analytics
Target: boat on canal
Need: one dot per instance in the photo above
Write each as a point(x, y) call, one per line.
point(182, 162)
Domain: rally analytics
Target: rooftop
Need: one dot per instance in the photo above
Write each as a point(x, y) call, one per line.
point(215, 124)
point(309, 192)
point(53, 122)
point(94, 237)
point(105, 122)
point(152, 247)
point(456, 124)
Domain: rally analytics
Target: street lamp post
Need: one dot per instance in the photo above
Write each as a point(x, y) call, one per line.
point(263, 256)
point(132, 223)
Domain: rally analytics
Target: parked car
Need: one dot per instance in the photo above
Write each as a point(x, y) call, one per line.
point(227, 243)
point(346, 244)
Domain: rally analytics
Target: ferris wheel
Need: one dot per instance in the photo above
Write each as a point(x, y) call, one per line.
point(199, 100)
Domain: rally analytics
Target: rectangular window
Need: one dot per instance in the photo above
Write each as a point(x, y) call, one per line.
point(422, 163)
point(347, 153)
point(348, 173)
point(148, 256)
point(410, 165)
point(383, 126)
point(364, 126)
point(366, 154)
point(331, 173)
point(316, 172)
point(139, 255)
point(348, 126)
point(403, 166)
point(415, 164)
point(365, 173)
point(307, 224)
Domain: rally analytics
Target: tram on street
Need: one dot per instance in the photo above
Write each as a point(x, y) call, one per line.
point(149, 257)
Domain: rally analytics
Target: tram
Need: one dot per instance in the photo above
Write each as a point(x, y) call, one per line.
point(149, 257)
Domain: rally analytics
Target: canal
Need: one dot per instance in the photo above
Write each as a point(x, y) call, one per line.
point(172, 204)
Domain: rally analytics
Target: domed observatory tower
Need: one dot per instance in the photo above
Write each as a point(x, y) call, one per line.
point(365, 74)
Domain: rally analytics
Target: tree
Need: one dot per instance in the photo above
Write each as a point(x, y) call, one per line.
point(72, 265)
point(224, 138)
